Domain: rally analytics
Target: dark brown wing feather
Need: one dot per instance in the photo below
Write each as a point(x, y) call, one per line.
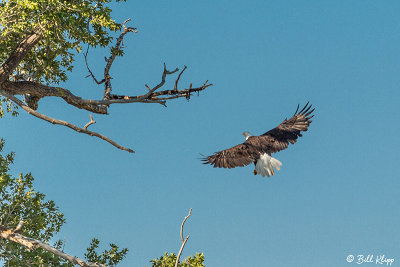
point(270, 142)
point(287, 132)
point(237, 156)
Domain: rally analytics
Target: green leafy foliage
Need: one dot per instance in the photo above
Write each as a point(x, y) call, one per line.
point(109, 257)
point(42, 221)
point(7, 107)
point(66, 26)
point(168, 260)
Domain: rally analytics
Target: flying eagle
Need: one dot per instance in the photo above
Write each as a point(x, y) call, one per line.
point(258, 149)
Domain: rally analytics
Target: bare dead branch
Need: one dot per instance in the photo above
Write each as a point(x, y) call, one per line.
point(171, 93)
point(183, 240)
point(30, 244)
point(60, 122)
point(98, 106)
point(114, 53)
point(183, 222)
point(90, 122)
point(181, 93)
point(122, 100)
point(152, 96)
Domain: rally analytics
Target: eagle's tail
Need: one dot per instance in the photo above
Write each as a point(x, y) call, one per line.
point(265, 165)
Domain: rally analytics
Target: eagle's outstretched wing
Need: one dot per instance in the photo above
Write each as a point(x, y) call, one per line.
point(237, 156)
point(288, 131)
point(270, 142)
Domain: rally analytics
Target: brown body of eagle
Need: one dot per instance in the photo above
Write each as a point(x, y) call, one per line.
point(270, 142)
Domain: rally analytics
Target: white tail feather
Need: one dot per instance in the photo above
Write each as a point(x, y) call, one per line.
point(265, 165)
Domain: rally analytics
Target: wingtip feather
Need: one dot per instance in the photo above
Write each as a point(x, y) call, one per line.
point(301, 111)
point(297, 109)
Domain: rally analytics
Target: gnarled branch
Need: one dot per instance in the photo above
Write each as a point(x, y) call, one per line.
point(41, 90)
point(30, 244)
point(60, 122)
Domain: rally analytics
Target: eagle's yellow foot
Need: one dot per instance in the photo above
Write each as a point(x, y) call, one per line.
point(255, 172)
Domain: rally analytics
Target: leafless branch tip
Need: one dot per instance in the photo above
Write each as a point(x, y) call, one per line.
point(89, 123)
point(183, 240)
point(177, 80)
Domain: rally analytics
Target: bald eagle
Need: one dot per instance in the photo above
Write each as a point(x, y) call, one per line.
point(258, 149)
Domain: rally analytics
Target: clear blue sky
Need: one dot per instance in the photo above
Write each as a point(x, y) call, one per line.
point(338, 190)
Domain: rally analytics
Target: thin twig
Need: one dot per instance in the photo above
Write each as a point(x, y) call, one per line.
point(163, 76)
point(90, 122)
point(90, 72)
point(177, 80)
point(183, 223)
point(183, 240)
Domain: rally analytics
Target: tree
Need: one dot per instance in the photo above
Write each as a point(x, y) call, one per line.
point(39, 40)
point(38, 43)
point(28, 223)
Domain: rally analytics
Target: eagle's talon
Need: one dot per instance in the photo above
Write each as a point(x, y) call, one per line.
point(255, 172)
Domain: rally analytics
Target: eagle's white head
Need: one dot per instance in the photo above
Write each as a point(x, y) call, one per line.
point(247, 134)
